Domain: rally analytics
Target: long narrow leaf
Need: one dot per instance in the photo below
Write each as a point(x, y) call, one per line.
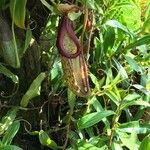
point(143, 41)
point(10, 147)
point(92, 118)
point(116, 24)
point(11, 132)
point(18, 12)
point(34, 90)
point(9, 74)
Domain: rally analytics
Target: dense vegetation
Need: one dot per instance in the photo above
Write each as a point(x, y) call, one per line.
point(39, 110)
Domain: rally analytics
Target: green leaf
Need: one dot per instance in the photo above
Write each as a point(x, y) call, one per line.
point(8, 44)
point(28, 39)
point(99, 141)
point(74, 15)
point(18, 12)
point(34, 90)
point(93, 143)
point(130, 141)
point(117, 79)
point(134, 102)
point(56, 72)
point(146, 26)
point(9, 74)
point(87, 146)
point(113, 97)
point(116, 24)
point(90, 4)
point(98, 107)
point(33, 132)
point(143, 41)
point(10, 147)
point(105, 147)
point(71, 100)
point(147, 13)
point(120, 68)
point(45, 3)
point(134, 125)
point(116, 146)
point(96, 104)
point(46, 141)
point(11, 132)
point(109, 40)
point(8, 119)
point(132, 96)
point(133, 64)
point(95, 81)
point(92, 118)
point(145, 145)
point(142, 89)
point(130, 14)
point(10, 53)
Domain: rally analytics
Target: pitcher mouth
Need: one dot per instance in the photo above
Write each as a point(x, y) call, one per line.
point(65, 27)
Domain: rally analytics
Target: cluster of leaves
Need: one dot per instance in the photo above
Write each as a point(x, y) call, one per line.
point(116, 114)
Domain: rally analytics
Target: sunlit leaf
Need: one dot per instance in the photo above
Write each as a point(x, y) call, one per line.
point(34, 90)
point(11, 132)
point(91, 144)
point(116, 79)
point(134, 102)
point(45, 3)
point(120, 68)
point(145, 145)
point(8, 119)
point(147, 13)
point(130, 141)
point(94, 80)
point(73, 16)
point(134, 125)
point(132, 96)
point(133, 64)
point(98, 107)
point(90, 4)
point(142, 41)
point(92, 118)
point(116, 146)
point(18, 12)
point(116, 24)
point(9, 74)
point(113, 97)
point(142, 89)
point(146, 26)
point(131, 15)
point(109, 76)
point(46, 141)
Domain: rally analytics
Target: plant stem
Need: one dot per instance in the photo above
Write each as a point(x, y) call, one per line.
point(114, 124)
point(67, 136)
point(68, 129)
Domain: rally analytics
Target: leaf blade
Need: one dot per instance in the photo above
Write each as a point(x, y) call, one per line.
point(92, 118)
point(18, 12)
point(34, 89)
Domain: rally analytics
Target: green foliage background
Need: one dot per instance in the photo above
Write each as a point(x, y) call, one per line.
point(38, 111)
